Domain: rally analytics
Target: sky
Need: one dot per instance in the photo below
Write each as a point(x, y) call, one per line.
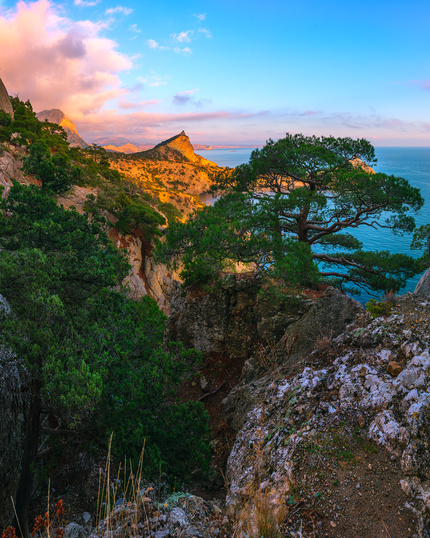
point(226, 71)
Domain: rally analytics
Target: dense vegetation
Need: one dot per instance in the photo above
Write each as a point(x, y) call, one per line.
point(288, 212)
point(96, 361)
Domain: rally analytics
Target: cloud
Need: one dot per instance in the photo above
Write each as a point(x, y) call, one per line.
point(309, 112)
point(424, 84)
point(205, 32)
point(58, 63)
point(134, 28)
point(86, 3)
point(183, 37)
point(185, 97)
point(201, 17)
point(118, 9)
point(152, 44)
point(126, 105)
point(185, 50)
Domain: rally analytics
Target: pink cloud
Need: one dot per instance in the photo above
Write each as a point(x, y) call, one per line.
point(58, 63)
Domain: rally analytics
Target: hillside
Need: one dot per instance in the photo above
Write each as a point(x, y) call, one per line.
point(171, 172)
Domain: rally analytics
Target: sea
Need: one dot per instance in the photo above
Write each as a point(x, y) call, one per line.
point(412, 163)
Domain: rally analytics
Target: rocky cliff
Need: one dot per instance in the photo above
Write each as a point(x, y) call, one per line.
point(57, 116)
point(5, 103)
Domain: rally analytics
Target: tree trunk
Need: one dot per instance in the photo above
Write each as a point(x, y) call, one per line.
point(23, 496)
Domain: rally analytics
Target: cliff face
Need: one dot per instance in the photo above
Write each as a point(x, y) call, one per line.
point(57, 116)
point(5, 103)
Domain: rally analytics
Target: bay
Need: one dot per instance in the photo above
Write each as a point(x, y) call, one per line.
point(412, 163)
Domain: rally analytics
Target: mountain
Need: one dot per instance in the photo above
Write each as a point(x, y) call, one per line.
point(128, 148)
point(57, 116)
point(5, 103)
point(176, 149)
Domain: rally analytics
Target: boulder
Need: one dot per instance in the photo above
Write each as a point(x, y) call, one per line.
point(327, 318)
point(423, 286)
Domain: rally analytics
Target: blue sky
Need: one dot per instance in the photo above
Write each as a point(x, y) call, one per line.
point(230, 72)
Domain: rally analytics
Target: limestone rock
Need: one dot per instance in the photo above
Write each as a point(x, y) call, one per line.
point(10, 168)
point(57, 116)
point(288, 413)
point(5, 103)
point(73, 530)
point(423, 286)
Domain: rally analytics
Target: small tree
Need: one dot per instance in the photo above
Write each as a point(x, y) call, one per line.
point(287, 211)
point(55, 172)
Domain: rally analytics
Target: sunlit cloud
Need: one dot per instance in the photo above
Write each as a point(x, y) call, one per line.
point(134, 28)
point(127, 105)
point(201, 17)
point(58, 63)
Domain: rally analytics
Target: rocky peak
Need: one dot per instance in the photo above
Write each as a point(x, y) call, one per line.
point(177, 146)
point(5, 103)
point(57, 116)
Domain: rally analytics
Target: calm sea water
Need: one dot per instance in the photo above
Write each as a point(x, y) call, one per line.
point(411, 163)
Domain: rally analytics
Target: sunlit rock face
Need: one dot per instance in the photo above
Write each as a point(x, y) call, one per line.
point(177, 145)
point(57, 116)
point(5, 103)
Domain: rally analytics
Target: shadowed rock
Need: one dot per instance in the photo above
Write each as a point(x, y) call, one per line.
point(5, 103)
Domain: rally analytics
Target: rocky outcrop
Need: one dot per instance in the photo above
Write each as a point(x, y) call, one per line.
point(346, 402)
point(14, 410)
point(57, 116)
point(423, 286)
point(234, 317)
point(324, 319)
point(177, 148)
point(180, 516)
point(5, 103)
point(146, 277)
point(10, 168)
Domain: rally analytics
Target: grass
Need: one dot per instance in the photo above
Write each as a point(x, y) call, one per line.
point(132, 514)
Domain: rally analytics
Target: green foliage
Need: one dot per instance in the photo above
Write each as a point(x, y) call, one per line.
point(380, 308)
point(97, 360)
point(55, 172)
point(287, 210)
point(140, 216)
